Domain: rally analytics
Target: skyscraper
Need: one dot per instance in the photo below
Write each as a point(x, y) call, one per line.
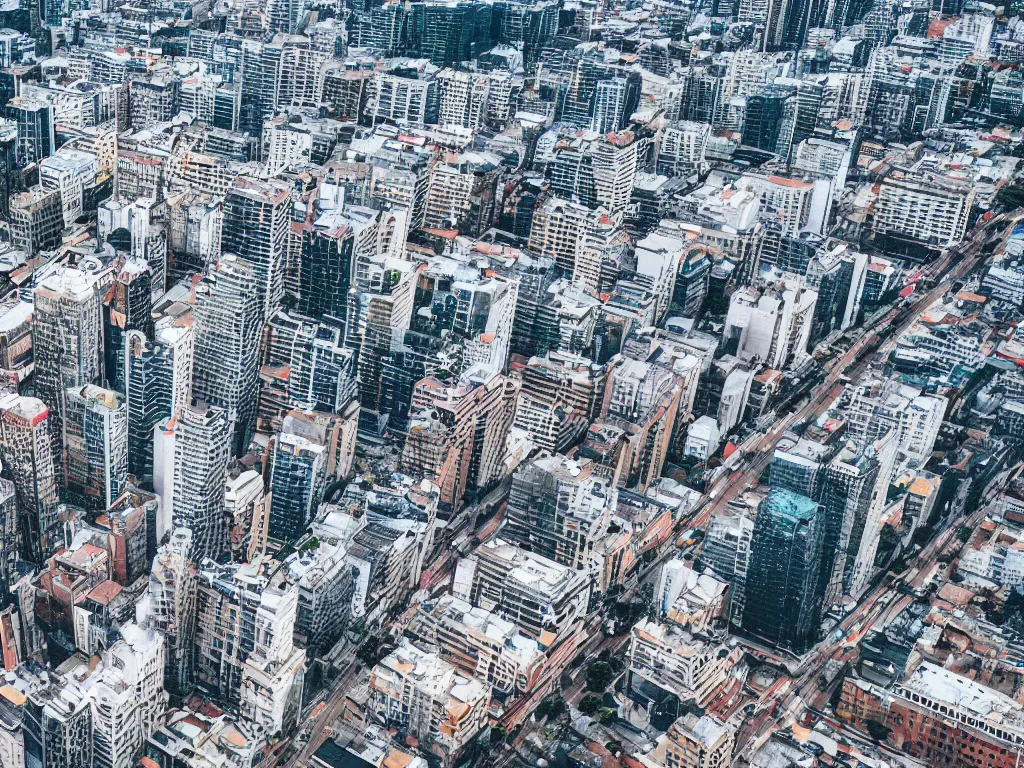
point(201, 439)
point(27, 452)
point(783, 591)
point(35, 121)
point(847, 492)
point(256, 222)
point(127, 306)
point(227, 330)
point(67, 337)
point(558, 508)
point(297, 479)
point(149, 373)
point(95, 446)
point(770, 120)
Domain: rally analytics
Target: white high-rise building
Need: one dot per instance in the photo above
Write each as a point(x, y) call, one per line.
point(71, 171)
point(462, 98)
point(201, 442)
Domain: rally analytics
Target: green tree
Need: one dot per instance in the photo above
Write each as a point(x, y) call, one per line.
point(589, 704)
point(599, 675)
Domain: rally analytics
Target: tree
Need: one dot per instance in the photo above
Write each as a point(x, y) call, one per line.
point(599, 675)
point(498, 734)
point(589, 704)
point(607, 716)
point(1011, 196)
point(964, 534)
point(368, 651)
point(550, 707)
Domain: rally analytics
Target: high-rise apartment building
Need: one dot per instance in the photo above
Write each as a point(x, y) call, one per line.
point(244, 654)
point(67, 338)
point(201, 450)
point(172, 599)
point(26, 448)
point(227, 333)
point(36, 219)
point(559, 508)
point(256, 223)
point(95, 445)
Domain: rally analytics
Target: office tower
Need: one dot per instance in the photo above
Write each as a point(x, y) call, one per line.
point(201, 449)
point(26, 449)
point(157, 384)
point(256, 221)
point(35, 121)
point(770, 119)
point(36, 219)
point(322, 373)
point(558, 508)
point(10, 173)
point(67, 339)
point(783, 589)
point(387, 28)
point(831, 275)
point(297, 479)
point(846, 497)
point(448, 34)
point(227, 333)
point(260, 78)
point(127, 306)
point(798, 466)
point(381, 309)
point(614, 103)
point(325, 272)
point(95, 446)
